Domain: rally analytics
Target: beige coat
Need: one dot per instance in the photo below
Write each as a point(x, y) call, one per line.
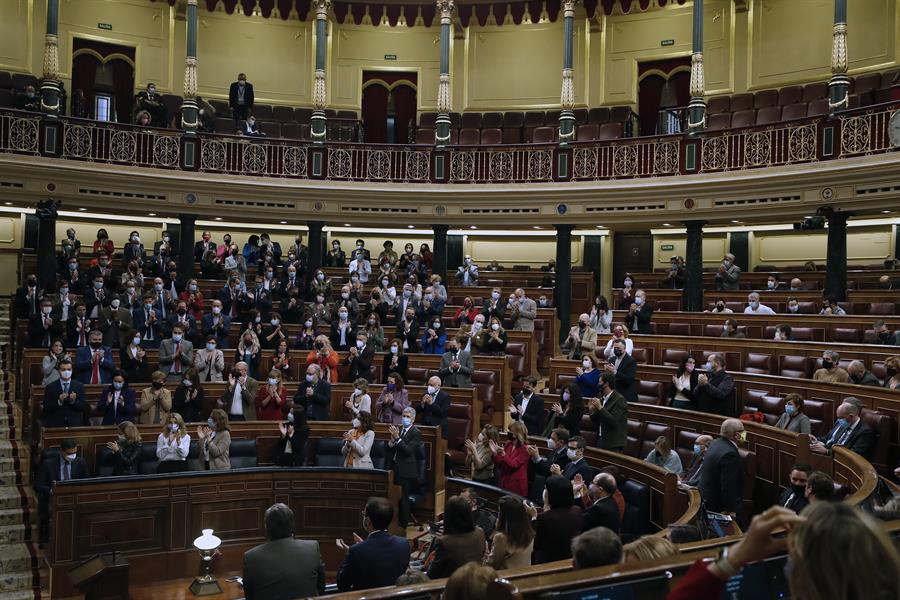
point(218, 448)
point(574, 350)
point(361, 449)
point(149, 405)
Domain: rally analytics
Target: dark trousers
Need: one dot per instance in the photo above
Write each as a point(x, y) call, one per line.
point(240, 114)
point(172, 466)
point(236, 417)
point(44, 517)
point(403, 513)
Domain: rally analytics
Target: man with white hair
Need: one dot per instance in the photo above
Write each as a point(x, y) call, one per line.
point(849, 431)
point(722, 472)
point(522, 311)
point(860, 375)
point(314, 394)
point(755, 308)
point(405, 443)
point(239, 397)
point(467, 273)
point(435, 405)
point(728, 274)
point(582, 339)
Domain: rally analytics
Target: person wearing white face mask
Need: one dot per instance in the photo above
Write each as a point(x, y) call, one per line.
point(581, 340)
point(44, 325)
point(358, 442)
point(558, 443)
point(314, 394)
point(216, 441)
point(728, 274)
point(435, 405)
point(189, 399)
point(492, 340)
point(577, 464)
point(216, 324)
point(359, 401)
point(405, 444)
point(67, 465)
point(360, 357)
point(722, 472)
point(493, 306)
point(176, 354)
point(361, 266)
point(639, 314)
point(467, 273)
point(64, 399)
point(342, 331)
point(755, 308)
point(395, 360)
point(587, 377)
point(117, 402)
point(115, 323)
point(523, 311)
point(173, 445)
point(715, 388)
point(456, 366)
point(793, 306)
point(271, 399)
point(434, 338)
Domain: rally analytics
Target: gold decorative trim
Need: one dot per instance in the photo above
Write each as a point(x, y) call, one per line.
point(103, 60)
point(390, 86)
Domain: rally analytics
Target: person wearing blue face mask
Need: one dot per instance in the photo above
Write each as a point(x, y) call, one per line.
point(849, 431)
point(117, 402)
point(639, 314)
point(176, 354)
point(793, 418)
point(691, 475)
point(728, 274)
point(715, 388)
point(314, 395)
point(216, 441)
point(405, 444)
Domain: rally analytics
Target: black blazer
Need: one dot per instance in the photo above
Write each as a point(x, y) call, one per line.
point(534, 413)
point(71, 412)
point(613, 421)
point(558, 457)
point(861, 439)
point(404, 454)
point(48, 473)
point(625, 383)
point(318, 406)
point(233, 95)
point(297, 456)
point(639, 322)
point(402, 362)
point(721, 476)
point(579, 468)
point(792, 501)
point(717, 396)
point(602, 513)
point(553, 533)
point(362, 365)
point(436, 413)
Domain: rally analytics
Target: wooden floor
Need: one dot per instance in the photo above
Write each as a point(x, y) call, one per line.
point(177, 589)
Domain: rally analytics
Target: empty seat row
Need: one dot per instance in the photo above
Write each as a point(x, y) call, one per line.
point(282, 114)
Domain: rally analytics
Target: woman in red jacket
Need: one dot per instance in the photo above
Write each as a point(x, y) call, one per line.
point(465, 314)
point(271, 399)
point(512, 460)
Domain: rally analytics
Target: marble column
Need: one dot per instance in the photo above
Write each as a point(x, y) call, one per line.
point(442, 135)
point(320, 98)
point(697, 105)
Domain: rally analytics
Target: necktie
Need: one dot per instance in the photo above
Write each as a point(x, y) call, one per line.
point(67, 471)
point(115, 405)
point(95, 368)
point(177, 365)
point(843, 438)
point(81, 338)
point(66, 389)
point(162, 306)
point(149, 334)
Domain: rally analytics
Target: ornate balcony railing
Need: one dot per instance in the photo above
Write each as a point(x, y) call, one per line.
point(848, 134)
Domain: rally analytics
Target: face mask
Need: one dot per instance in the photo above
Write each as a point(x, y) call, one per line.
point(437, 324)
point(354, 278)
point(828, 364)
point(360, 344)
point(628, 283)
point(725, 328)
point(726, 262)
point(495, 295)
point(794, 308)
point(355, 423)
point(115, 304)
point(789, 409)
point(310, 378)
point(157, 385)
point(46, 309)
point(431, 390)
point(72, 266)
point(586, 364)
point(391, 387)
point(210, 423)
point(71, 457)
point(187, 383)
point(742, 436)
point(256, 319)
point(771, 285)
point(319, 345)
point(269, 274)
point(394, 349)
point(173, 427)
point(571, 453)
point(193, 287)
point(71, 235)
point(176, 337)
point(566, 395)
point(618, 352)
point(181, 311)
point(98, 285)
point(345, 295)
point(273, 381)
point(708, 366)
point(890, 372)
point(65, 375)
point(638, 300)
point(698, 449)
point(406, 421)
point(274, 322)
point(720, 307)
point(842, 423)
point(357, 392)
point(754, 305)
point(96, 345)
point(217, 310)
point(343, 316)
point(777, 336)
point(551, 444)
point(117, 385)
point(63, 291)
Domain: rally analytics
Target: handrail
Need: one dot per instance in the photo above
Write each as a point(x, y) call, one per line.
point(855, 132)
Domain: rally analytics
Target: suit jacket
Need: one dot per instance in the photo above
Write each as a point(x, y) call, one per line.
point(115, 325)
point(69, 413)
point(554, 531)
point(143, 326)
point(233, 95)
point(113, 415)
point(50, 471)
point(219, 330)
point(612, 419)
point(73, 336)
point(404, 453)
point(218, 448)
point(436, 412)
point(84, 364)
point(25, 307)
point(721, 476)
point(209, 370)
point(717, 396)
point(248, 399)
point(728, 279)
point(792, 500)
point(283, 570)
point(489, 311)
point(461, 378)
point(167, 356)
point(868, 378)
point(557, 457)
point(376, 562)
point(523, 318)
point(452, 551)
point(534, 413)
point(861, 439)
point(361, 366)
point(586, 345)
point(602, 513)
point(625, 374)
point(201, 248)
point(318, 406)
point(639, 322)
point(580, 467)
point(40, 336)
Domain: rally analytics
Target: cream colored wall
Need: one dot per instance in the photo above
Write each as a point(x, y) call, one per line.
point(11, 238)
point(865, 246)
point(508, 251)
point(16, 32)
point(714, 248)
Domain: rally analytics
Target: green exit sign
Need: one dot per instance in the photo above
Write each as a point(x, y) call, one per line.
point(106, 26)
point(667, 43)
point(390, 57)
point(667, 247)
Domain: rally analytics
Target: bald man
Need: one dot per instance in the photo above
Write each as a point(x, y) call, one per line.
point(522, 310)
point(435, 405)
point(691, 475)
point(722, 472)
point(849, 431)
point(582, 339)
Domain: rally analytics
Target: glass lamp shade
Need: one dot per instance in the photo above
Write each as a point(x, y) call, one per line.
point(207, 542)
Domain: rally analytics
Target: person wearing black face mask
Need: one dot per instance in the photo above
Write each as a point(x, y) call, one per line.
point(884, 336)
point(528, 407)
point(27, 301)
point(610, 413)
point(830, 371)
point(794, 497)
point(892, 373)
point(624, 368)
point(94, 362)
point(721, 308)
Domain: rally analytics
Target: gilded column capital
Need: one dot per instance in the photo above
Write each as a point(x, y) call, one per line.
point(569, 8)
point(51, 57)
point(322, 7)
point(445, 7)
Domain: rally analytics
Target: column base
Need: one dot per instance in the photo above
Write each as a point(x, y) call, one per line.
point(318, 126)
point(51, 90)
point(190, 116)
point(696, 115)
point(838, 93)
point(566, 127)
point(442, 130)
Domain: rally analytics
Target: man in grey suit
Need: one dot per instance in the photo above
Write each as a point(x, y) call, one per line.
point(522, 311)
point(283, 568)
point(728, 274)
point(176, 354)
point(610, 413)
point(456, 366)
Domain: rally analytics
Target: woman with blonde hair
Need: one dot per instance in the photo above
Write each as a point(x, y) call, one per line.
point(493, 339)
point(323, 355)
point(619, 332)
point(358, 442)
point(479, 456)
point(469, 582)
point(126, 448)
point(173, 445)
point(648, 547)
point(892, 373)
point(359, 401)
point(248, 351)
point(216, 440)
point(664, 457)
point(156, 401)
point(512, 460)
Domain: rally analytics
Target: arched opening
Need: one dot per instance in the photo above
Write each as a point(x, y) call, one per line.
point(388, 106)
point(104, 74)
point(663, 84)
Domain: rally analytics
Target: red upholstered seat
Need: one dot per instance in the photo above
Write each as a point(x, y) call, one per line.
point(794, 366)
point(283, 114)
point(581, 116)
point(492, 120)
point(672, 357)
point(633, 439)
point(416, 376)
point(599, 115)
point(262, 112)
point(649, 435)
point(820, 414)
point(544, 135)
point(848, 335)
point(291, 131)
point(491, 137)
point(459, 429)
point(881, 308)
point(455, 120)
point(817, 108)
point(794, 111)
point(765, 98)
point(718, 105)
point(471, 120)
point(771, 407)
point(684, 445)
point(486, 384)
point(428, 119)
point(642, 356)
point(610, 131)
point(881, 425)
point(790, 95)
point(802, 334)
point(744, 118)
point(535, 118)
point(650, 392)
point(679, 329)
point(769, 114)
point(270, 128)
point(424, 135)
point(759, 363)
point(815, 91)
point(347, 114)
point(741, 102)
point(469, 137)
point(718, 122)
point(302, 114)
point(587, 133)
point(619, 114)
point(512, 135)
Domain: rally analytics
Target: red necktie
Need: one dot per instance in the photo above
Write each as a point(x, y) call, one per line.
point(82, 341)
point(177, 360)
point(95, 369)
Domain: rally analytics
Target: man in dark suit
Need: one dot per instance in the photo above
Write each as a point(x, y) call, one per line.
point(43, 326)
point(715, 388)
point(152, 101)
point(283, 568)
point(360, 358)
point(456, 366)
point(94, 362)
point(528, 407)
point(691, 475)
point(624, 367)
point(639, 314)
point(64, 399)
point(849, 431)
point(558, 442)
point(216, 323)
point(79, 327)
point(240, 98)
point(342, 334)
point(610, 413)
point(794, 497)
point(229, 296)
point(204, 245)
point(380, 559)
point(28, 298)
point(405, 442)
point(604, 512)
point(435, 405)
point(147, 322)
point(493, 307)
point(67, 465)
point(314, 394)
point(578, 465)
point(96, 297)
point(722, 473)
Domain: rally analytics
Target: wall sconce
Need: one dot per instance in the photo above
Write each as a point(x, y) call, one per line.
point(206, 545)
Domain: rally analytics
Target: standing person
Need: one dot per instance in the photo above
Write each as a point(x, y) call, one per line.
point(173, 445)
point(271, 399)
point(240, 99)
point(133, 359)
point(216, 441)
point(513, 540)
point(358, 442)
point(378, 560)
point(359, 401)
point(522, 311)
point(314, 395)
point(323, 356)
point(283, 568)
point(67, 465)
point(722, 472)
point(623, 368)
point(117, 402)
point(610, 413)
point(558, 524)
point(528, 407)
point(209, 361)
point(406, 445)
point(392, 400)
point(291, 448)
point(126, 449)
point(360, 357)
point(395, 360)
point(512, 460)
point(435, 405)
point(639, 314)
point(480, 456)
point(189, 398)
point(728, 274)
point(156, 401)
point(684, 382)
point(461, 543)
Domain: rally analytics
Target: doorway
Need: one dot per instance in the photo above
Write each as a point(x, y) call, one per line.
point(662, 84)
point(388, 106)
point(104, 74)
point(632, 253)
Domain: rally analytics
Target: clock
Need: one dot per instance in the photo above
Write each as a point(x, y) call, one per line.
point(894, 129)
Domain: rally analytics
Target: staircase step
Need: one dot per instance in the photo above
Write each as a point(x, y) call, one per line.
point(11, 516)
point(16, 557)
point(13, 534)
point(24, 595)
point(11, 498)
point(16, 581)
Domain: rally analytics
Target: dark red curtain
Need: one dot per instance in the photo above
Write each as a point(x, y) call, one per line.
point(374, 113)
point(84, 69)
point(650, 88)
point(375, 98)
point(405, 111)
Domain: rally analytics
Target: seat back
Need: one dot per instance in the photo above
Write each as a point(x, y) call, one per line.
point(105, 462)
point(588, 132)
point(491, 136)
point(492, 120)
point(744, 118)
point(471, 120)
point(794, 366)
point(680, 329)
point(820, 415)
point(790, 95)
point(242, 454)
point(759, 363)
point(848, 335)
point(486, 384)
point(194, 458)
point(881, 425)
point(642, 356)
point(650, 392)
point(740, 102)
point(636, 520)
point(633, 440)
point(672, 357)
point(794, 111)
point(881, 308)
point(748, 459)
point(417, 376)
point(469, 136)
point(515, 360)
point(684, 445)
point(459, 426)
point(428, 119)
point(650, 433)
point(378, 454)
point(765, 98)
point(718, 105)
point(328, 452)
point(544, 135)
point(147, 461)
point(718, 122)
point(598, 115)
point(769, 114)
point(610, 131)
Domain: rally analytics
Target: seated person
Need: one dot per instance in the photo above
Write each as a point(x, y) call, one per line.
point(849, 431)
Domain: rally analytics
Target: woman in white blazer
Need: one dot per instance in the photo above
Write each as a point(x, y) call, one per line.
point(358, 442)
